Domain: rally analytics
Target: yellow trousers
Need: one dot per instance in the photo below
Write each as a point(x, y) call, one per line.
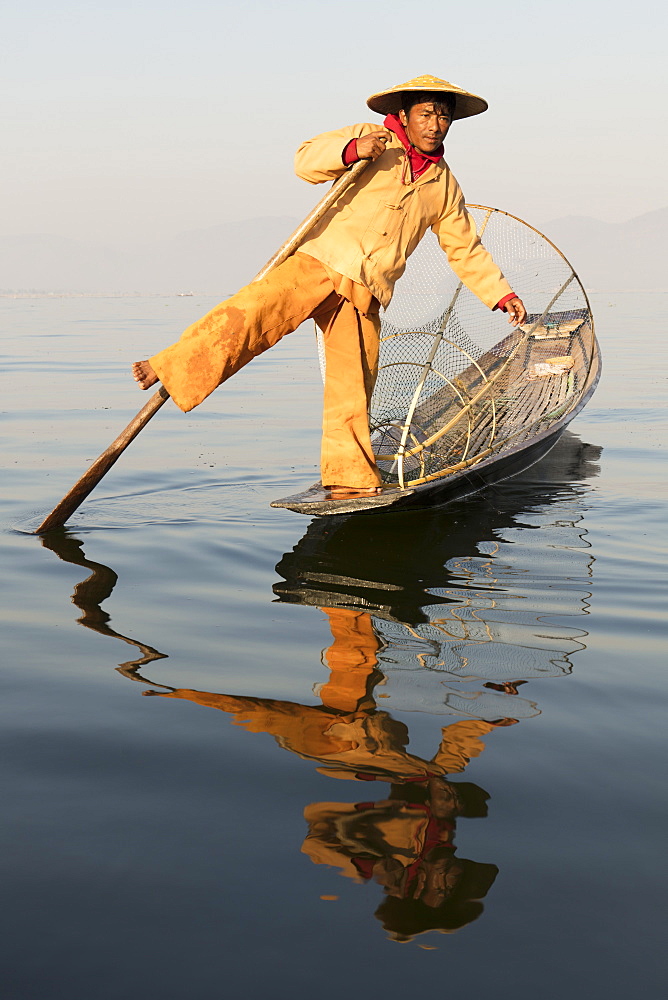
point(257, 317)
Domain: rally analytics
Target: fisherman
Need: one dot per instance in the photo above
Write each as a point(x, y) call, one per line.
point(345, 271)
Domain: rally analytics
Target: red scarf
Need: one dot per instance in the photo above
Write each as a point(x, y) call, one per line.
point(419, 162)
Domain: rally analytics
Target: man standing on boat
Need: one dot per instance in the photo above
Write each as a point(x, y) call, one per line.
point(346, 270)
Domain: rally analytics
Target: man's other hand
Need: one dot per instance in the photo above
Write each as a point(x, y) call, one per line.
point(516, 311)
point(369, 147)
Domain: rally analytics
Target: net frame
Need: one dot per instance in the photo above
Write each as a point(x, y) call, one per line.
point(451, 388)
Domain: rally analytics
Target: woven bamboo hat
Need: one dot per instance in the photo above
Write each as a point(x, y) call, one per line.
point(388, 102)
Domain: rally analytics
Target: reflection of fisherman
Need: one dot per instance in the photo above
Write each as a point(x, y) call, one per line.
point(347, 269)
point(406, 842)
point(347, 734)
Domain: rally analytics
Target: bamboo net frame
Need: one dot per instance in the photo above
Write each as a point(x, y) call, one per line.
point(452, 386)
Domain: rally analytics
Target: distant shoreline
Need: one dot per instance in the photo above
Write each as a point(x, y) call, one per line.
point(106, 295)
point(180, 295)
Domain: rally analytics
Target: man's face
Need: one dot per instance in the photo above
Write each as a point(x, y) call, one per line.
point(427, 125)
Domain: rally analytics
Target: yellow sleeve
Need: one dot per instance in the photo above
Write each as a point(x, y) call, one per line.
point(467, 256)
point(319, 159)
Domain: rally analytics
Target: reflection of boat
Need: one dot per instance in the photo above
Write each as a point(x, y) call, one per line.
point(393, 566)
point(457, 404)
point(455, 610)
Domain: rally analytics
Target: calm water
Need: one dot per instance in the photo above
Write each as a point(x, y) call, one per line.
point(249, 754)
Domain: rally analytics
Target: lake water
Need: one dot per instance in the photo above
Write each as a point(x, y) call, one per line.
point(249, 754)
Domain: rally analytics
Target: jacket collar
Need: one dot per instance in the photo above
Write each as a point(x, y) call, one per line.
point(432, 173)
point(418, 161)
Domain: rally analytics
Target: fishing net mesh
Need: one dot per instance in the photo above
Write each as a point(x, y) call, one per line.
point(453, 386)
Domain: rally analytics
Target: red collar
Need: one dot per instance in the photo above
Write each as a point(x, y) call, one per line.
point(419, 162)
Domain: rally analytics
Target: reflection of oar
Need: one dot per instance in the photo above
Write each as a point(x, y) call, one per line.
point(60, 514)
point(89, 595)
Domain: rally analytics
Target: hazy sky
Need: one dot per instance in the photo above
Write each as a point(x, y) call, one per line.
point(130, 121)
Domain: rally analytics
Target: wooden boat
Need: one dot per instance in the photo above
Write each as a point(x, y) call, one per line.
point(459, 403)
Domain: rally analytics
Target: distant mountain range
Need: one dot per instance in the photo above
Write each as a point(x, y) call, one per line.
point(615, 255)
point(217, 261)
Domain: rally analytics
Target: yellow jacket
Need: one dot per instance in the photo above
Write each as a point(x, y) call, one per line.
point(378, 223)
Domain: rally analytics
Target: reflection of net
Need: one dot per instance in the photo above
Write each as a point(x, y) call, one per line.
point(430, 647)
point(452, 386)
point(497, 628)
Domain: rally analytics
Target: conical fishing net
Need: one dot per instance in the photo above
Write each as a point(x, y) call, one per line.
point(456, 384)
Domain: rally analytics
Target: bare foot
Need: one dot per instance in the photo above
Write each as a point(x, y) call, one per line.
point(342, 492)
point(144, 374)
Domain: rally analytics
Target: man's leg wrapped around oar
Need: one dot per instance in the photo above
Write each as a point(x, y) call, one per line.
point(244, 326)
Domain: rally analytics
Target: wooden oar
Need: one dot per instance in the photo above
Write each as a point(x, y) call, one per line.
point(60, 514)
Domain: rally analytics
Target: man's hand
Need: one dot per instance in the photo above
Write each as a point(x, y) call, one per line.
point(516, 311)
point(369, 147)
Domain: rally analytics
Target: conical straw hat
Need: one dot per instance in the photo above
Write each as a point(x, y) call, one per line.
point(388, 102)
